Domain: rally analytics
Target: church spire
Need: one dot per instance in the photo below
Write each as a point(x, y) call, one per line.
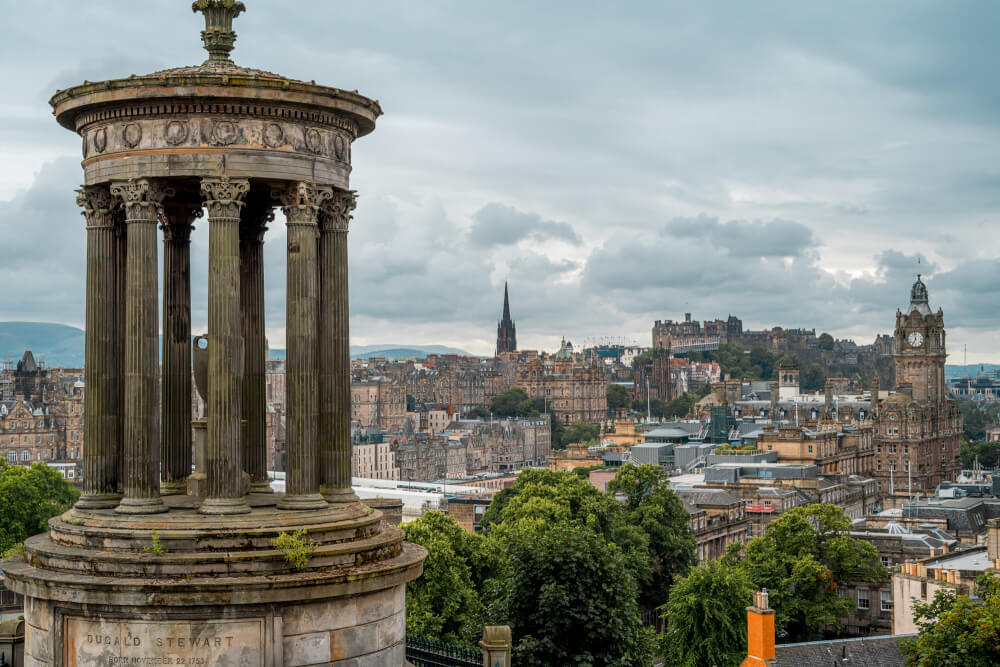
point(506, 335)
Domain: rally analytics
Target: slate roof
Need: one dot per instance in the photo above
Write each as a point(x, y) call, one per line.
point(880, 651)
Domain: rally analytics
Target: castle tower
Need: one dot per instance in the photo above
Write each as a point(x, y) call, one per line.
point(506, 334)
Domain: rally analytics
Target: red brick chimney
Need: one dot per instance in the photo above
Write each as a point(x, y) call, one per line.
point(760, 632)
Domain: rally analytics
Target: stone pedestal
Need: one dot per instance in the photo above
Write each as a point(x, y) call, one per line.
point(178, 591)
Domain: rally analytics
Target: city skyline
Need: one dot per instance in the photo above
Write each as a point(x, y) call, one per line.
point(782, 163)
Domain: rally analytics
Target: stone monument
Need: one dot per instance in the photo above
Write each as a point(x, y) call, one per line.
point(141, 571)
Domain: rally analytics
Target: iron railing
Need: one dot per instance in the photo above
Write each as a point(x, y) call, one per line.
point(424, 652)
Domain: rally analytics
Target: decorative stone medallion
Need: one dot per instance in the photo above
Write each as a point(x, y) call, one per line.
point(224, 132)
point(339, 146)
point(176, 132)
point(314, 141)
point(132, 135)
point(101, 139)
point(274, 136)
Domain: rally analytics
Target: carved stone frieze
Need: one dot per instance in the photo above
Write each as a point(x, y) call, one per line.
point(301, 201)
point(224, 196)
point(335, 215)
point(97, 204)
point(213, 132)
point(142, 197)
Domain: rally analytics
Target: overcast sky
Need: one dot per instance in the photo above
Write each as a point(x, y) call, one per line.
point(786, 162)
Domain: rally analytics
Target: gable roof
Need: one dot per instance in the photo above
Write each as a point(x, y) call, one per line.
point(880, 651)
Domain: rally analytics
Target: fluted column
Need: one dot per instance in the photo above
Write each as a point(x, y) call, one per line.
point(100, 409)
point(121, 262)
point(224, 469)
point(300, 203)
point(175, 443)
point(334, 352)
point(141, 198)
point(253, 224)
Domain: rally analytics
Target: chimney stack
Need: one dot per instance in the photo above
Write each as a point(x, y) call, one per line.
point(760, 632)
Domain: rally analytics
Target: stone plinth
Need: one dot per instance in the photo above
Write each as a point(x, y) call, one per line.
point(181, 588)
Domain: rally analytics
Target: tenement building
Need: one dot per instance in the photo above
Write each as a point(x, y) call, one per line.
point(574, 386)
point(918, 426)
point(156, 564)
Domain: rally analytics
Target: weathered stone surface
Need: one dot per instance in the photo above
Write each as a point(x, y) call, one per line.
point(311, 649)
point(103, 641)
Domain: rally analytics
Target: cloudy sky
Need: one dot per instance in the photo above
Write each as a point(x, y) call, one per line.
point(786, 162)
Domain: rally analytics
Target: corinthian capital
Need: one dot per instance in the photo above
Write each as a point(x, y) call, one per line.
point(301, 201)
point(224, 197)
point(141, 196)
point(96, 203)
point(336, 213)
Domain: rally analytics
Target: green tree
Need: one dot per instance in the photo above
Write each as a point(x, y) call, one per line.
point(680, 406)
point(581, 432)
point(478, 412)
point(652, 507)
point(803, 557)
point(514, 402)
point(618, 397)
point(557, 432)
point(444, 602)
point(569, 598)
point(813, 378)
point(29, 498)
point(956, 630)
point(824, 341)
point(976, 420)
point(707, 621)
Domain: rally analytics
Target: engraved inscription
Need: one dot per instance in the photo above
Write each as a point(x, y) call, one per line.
point(167, 642)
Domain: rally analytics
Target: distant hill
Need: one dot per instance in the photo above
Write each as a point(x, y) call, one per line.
point(388, 351)
point(55, 344)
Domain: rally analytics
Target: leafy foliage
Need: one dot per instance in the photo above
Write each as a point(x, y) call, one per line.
point(976, 419)
point(444, 603)
point(812, 378)
point(297, 548)
point(29, 498)
point(988, 454)
point(569, 598)
point(707, 621)
point(582, 432)
point(514, 402)
point(824, 341)
point(802, 559)
point(957, 630)
point(655, 510)
point(618, 397)
point(478, 412)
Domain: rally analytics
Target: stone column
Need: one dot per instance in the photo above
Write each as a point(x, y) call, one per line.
point(175, 443)
point(141, 198)
point(334, 352)
point(253, 224)
point(300, 203)
point(224, 469)
point(121, 262)
point(101, 406)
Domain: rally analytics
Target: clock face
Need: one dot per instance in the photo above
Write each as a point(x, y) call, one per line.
point(915, 339)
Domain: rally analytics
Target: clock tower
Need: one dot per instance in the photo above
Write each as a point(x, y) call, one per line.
point(918, 427)
point(920, 349)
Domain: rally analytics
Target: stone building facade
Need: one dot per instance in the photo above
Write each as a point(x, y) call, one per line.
point(378, 403)
point(574, 386)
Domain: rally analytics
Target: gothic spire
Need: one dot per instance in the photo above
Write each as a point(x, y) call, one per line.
point(506, 303)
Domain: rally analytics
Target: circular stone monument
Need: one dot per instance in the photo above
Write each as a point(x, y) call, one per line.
point(154, 565)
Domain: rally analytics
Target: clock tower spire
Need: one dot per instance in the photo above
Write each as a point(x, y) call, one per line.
point(920, 348)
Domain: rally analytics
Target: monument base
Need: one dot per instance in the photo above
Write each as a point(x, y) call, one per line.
point(170, 590)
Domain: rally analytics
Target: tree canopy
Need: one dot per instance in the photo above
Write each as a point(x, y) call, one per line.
point(802, 558)
point(812, 378)
point(618, 397)
point(30, 497)
point(653, 508)
point(824, 341)
point(707, 617)
point(956, 629)
point(582, 432)
point(514, 402)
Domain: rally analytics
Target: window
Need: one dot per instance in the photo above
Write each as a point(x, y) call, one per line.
point(886, 561)
point(886, 600)
point(906, 449)
point(810, 449)
point(892, 449)
point(26, 455)
point(12, 456)
point(863, 602)
point(69, 474)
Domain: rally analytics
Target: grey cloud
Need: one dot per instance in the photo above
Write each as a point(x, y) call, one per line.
point(496, 224)
point(777, 238)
